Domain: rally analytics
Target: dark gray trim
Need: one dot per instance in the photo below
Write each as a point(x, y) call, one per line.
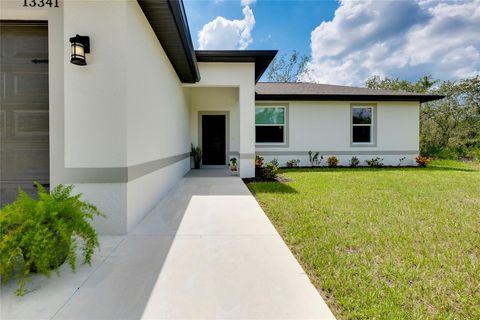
point(346, 97)
point(227, 130)
point(261, 58)
point(170, 25)
point(372, 144)
point(339, 153)
point(120, 174)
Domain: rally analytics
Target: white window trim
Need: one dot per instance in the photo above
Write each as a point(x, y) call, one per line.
point(285, 126)
point(372, 125)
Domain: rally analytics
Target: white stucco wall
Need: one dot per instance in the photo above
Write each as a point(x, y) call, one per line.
point(126, 108)
point(215, 99)
point(325, 127)
point(241, 76)
point(157, 116)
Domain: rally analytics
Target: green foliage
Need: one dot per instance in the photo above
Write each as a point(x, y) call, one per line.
point(39, 235)
point(283, 70)
point(449, 128)
point(354, 162)
point(292, 163)
point(196, 153)
point(333, 161)
point(271, 169)
point(315, 161)
point(376, 162)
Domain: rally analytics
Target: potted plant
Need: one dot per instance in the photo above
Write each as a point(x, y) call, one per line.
point(38, 236)
point(196, 153)
point(233, 166)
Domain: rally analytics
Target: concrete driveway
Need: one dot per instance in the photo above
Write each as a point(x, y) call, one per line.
point(207, 251)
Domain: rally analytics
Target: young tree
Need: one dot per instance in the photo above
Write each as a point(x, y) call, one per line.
point(283, 69)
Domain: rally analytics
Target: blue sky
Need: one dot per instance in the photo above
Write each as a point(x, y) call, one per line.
point(281, 25)
point(349, 41)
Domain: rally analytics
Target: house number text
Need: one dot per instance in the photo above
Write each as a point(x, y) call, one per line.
point(40, 3)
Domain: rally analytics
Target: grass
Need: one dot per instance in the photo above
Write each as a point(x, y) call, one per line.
point(388, 243)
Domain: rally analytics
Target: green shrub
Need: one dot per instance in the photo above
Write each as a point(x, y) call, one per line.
point(314, 159)
point(354, 162)
point(292, 163)
point(375, 162)
point(39, 235)
point(271, 169)
point(333, 161)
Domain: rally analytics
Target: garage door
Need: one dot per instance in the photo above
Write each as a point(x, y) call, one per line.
point(23, 108)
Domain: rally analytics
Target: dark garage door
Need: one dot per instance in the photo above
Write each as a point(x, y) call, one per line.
point(23, 108)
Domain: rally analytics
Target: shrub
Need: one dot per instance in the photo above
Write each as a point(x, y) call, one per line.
point(270, 171)
point(196, 153)
point(375, 162)
point(258, 162)
point(39, 235)
point(292, 163)
point(422, 161)
point(313, 158)
point(354, 162)
point(333, 161)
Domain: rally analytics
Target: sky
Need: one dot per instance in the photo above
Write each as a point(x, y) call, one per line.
point(348, 41)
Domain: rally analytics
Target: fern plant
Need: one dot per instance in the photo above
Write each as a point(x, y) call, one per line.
point(39, 235)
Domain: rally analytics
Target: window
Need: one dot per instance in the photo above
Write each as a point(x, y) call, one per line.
point(270, 124)
point(362, 125)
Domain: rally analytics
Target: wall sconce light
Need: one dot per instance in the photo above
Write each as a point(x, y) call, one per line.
point(80, 46)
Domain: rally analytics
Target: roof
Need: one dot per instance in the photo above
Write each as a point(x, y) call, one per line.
point(261, 58)
point(327, 92)
point(169, 22)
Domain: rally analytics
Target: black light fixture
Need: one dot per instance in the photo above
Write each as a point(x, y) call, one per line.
point(80, 46)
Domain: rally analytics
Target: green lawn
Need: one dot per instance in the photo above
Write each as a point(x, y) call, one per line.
point(389, 243)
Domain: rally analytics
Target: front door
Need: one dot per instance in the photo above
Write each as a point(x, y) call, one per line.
point(24, 130)
point(213, 139)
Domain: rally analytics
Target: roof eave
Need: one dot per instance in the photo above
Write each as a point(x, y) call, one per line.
point(169, 23)
point(261, 58)
point(345, 97)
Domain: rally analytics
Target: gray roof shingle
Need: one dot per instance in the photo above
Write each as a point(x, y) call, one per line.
point(317, 91)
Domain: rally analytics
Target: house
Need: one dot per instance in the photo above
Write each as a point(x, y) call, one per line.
point(120, 127)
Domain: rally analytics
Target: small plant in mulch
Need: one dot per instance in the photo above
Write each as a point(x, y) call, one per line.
point(422, 161)
point(292, 163)
point(354, 162)
point(376, 162)
point(333, 162)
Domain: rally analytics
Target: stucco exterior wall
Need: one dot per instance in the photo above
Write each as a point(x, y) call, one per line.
point(157, 116)
point(216, 99)
point(119, 127)
point(325, 127)
point(242, 77)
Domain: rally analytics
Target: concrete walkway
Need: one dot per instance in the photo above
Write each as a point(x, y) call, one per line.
point(207, 251)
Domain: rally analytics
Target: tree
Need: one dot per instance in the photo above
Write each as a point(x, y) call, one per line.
point(450, 126)
point(287, 70)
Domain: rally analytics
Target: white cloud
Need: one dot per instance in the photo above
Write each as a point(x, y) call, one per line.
point(221, 33)
point(403, 39)
point(247, 2)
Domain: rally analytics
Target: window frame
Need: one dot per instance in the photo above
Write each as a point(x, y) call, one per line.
point(372, 125)
point(285, 125)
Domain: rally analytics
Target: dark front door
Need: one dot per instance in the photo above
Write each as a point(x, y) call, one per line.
point(213, 139)
point(23, 108)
